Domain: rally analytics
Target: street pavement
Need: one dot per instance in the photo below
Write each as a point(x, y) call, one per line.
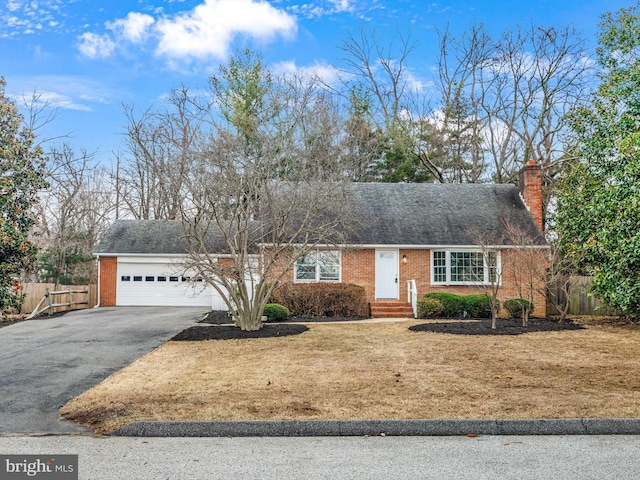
point(48, 361)
point(580, 457)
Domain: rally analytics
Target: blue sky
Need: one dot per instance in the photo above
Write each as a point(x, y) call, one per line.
point(88, 57)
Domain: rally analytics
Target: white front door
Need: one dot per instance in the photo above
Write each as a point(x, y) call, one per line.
point(387, 274)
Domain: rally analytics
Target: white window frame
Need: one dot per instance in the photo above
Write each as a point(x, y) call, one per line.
point(316, 279)
point(448, 265)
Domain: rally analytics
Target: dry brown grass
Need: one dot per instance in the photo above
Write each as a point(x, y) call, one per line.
point(375, 371)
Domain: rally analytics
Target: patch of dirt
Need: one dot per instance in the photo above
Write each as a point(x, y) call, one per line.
point(6, 323)
point(226, 332)
point(607, 322)
point(11, 319)
point(217, 317)
point(324, 319)
point(511, 326)
point(95, 417)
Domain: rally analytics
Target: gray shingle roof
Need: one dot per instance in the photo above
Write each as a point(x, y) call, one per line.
point(438, 214)
point(148, 237)
point(396, 214)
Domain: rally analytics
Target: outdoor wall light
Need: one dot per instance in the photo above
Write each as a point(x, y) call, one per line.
point(404, 259)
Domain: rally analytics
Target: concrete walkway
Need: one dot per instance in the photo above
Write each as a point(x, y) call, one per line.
point(46, 362)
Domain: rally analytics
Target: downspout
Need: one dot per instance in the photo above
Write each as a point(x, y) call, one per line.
point(98, 293)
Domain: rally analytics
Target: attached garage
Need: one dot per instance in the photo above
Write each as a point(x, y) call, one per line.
point(158, 281)
point(140, 264)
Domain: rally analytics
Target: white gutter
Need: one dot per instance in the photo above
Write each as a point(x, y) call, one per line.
point(98, 293)
point(175, 255)
point(415, 247)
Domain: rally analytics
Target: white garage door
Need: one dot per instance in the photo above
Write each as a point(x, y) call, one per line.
point(149, 283)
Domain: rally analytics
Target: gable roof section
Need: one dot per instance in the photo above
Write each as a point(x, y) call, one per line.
point(438, 214)
point(398, 214)
point(149, 237)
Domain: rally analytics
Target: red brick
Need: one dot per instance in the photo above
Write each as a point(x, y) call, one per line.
point(531, 190)
point(108, 281)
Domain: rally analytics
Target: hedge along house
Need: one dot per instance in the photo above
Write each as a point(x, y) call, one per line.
point(411, 239)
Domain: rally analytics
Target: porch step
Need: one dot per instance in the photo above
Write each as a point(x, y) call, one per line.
point(391, 309)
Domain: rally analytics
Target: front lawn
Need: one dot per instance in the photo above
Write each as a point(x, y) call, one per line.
point(374, 371)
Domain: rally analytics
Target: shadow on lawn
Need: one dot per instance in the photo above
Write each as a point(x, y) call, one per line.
point(511, 326)
point(226, 332)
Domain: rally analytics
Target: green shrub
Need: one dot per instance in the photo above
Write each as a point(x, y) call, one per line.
point(322, 299)
point(478, 305)
point(515, 306)
point(275, 311)
point(452, 304)
point(429, 307)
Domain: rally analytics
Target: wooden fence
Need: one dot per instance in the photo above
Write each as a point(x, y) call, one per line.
point(35, 291)
point(582, 302)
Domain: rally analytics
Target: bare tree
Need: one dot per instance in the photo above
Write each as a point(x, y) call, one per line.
point(75, 212)
point(361, 146)
point(150, 178)
point(263, 186)
point(527, 267)
point(386, 99)
point(559, 279)
point(491, 257)
point(459, 119)
point(381, 72)
point(510, 95)
point(41, 113)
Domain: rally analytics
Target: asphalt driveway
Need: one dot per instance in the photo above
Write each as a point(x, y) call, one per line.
point(46, 362)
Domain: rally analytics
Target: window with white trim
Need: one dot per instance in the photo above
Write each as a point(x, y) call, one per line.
point(318, 266)
point(464, 267)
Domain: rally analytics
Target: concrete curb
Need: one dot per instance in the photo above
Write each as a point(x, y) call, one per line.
point(337, 428)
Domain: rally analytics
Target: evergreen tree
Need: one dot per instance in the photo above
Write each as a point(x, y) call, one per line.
point(598, 219)
point(22, 175)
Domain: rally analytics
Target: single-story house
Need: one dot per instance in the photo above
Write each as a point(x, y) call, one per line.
point(412, 239)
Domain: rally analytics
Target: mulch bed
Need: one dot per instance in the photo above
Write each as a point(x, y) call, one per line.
point(510, 326)
point(219, 318)
point(226, 332)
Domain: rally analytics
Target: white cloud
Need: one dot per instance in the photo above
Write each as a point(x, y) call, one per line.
point(314, 10)
point(93, 46)
point(342, 5)
point(208, 30)
point(417, 84)
point(204, 32)
point(57, 100)
point(327, 73)
point(27, 17)
point(68, 92)
point(134, 27)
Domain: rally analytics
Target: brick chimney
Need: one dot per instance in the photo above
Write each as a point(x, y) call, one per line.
point(531, 190)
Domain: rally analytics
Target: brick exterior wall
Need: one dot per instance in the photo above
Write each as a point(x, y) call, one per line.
point(358, 267)
point(108, 281)
point(530, 184)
